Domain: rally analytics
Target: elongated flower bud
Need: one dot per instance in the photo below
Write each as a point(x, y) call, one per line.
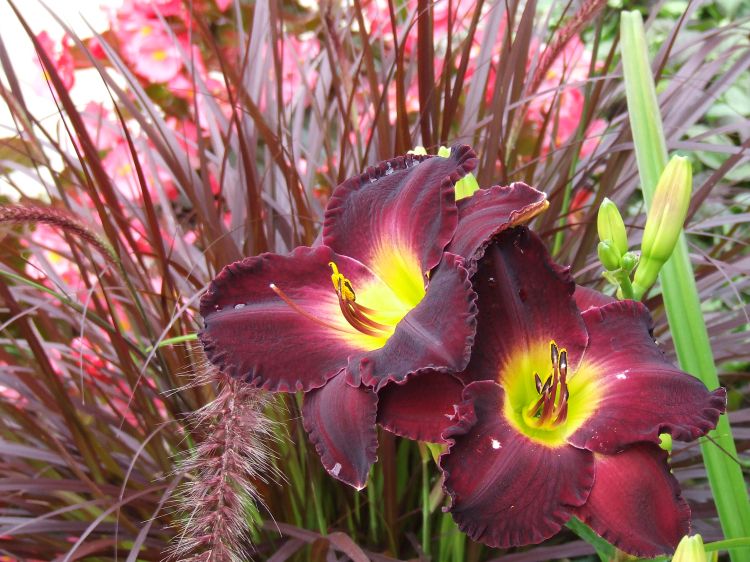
point(611, 227)
point(690, 549)
point(608, 255)
point(664, 222)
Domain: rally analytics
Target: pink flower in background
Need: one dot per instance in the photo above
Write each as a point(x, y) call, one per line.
point(146, 44)
point(186, 133)
point(571, 69)
point(155, 57)
point(223, 5)
point(593, 136)
point(184, 86)
point(61, 58)
point(103, 130)
point(156, 8)
point(119, 166)
point(299, 53)
point(54, 265)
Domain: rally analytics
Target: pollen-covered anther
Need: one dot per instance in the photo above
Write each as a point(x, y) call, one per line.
point(551, 409)
point(359, 317)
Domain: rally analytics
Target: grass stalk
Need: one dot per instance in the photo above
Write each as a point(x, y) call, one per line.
point(679, 289)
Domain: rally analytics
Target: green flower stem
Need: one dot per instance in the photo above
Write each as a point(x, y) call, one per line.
point(604, 550)
point(623, 279)
point(424, 453)
point(175, 340)
point(678, 287)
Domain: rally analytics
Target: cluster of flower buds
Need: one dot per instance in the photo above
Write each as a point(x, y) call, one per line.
point(663, 227)
point(613, 248)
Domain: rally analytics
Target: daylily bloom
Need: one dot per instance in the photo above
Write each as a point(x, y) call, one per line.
point(564, 404)
point(384, 297)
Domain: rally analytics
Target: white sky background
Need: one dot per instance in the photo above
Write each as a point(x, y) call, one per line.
point(78, 14)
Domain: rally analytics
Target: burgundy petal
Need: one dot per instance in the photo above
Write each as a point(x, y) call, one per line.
point(436, 334)
point(420, 408)
point(508, 490)
point(251, 333)
point(340, 420)
point(635, 503)
point(586, 298)
point(642, 394)
point(409, 200)
point(523, 299)
point(490, 211)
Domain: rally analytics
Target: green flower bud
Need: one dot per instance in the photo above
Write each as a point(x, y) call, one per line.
point(608, 255)
point(629, 261)
point(664, 223)
point(466, 186)
point(665, 442)
point(610, 226)
point(690, 549)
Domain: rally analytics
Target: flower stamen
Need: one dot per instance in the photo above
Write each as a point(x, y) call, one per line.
point(551, 409)
point(358, 316)
point(283, 296)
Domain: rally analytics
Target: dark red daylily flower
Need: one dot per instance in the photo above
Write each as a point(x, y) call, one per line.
point(381, 299)
point(563, 409)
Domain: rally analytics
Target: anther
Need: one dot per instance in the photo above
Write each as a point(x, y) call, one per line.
point(538, 382)
point(546, 386)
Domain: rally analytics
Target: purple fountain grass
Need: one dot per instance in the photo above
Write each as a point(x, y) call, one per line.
point(223, 471)
point(18, 214)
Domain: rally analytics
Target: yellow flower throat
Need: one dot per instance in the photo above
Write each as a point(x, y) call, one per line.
point(548, 410)
point(359, 317)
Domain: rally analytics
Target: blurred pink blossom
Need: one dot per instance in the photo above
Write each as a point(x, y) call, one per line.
point(118, 164)
point(61, 57)
point(104, 132)
point(146, 44)
point(560, 96)
point(223, 5)
point(155, 8)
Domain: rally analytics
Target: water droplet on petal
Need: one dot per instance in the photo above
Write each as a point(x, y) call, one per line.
point(388, 170)
point(496, 444)
point(336, 469)
point(239, 306)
